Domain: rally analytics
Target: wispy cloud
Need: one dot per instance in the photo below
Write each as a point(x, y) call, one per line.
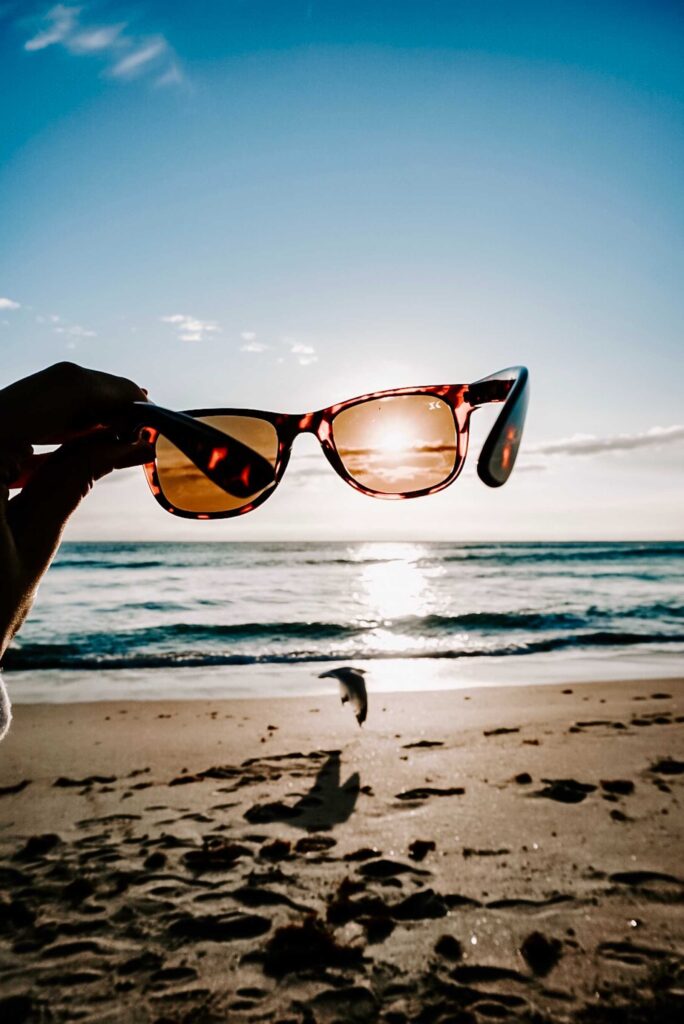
point(172, 76)
point(94, 40)
point(128, 54)
point(138, 61)
point(305, 354)
point(58, 24)
point(190, 328)
point(76, 331)
point(250, 343)
point(587, 444)
point(6, 303)
point(254, 346)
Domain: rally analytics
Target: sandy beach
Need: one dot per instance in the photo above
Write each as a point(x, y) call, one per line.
point(511, 853)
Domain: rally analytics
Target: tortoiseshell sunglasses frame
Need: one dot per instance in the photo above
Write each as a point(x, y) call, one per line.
point(495, 464)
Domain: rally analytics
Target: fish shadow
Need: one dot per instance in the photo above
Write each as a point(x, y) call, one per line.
point(329, 802)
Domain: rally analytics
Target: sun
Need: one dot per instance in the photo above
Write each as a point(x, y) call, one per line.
point(392, 438)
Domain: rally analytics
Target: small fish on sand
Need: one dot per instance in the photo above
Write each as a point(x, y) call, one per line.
point(352, 689)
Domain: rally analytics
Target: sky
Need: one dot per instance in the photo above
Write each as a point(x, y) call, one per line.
point(283, 204)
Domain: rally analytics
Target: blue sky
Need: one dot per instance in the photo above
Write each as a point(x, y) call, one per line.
point(284, 204)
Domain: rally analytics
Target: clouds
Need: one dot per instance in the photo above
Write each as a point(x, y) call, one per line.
point(6, 303)
point(250, 344)
point(189, 328)
point(76, 331)
point(128, 55)
point(304, 354)
point(70, 331)
point(586, 444)
point(58, 24)
point(134, 63)
point(96, 39)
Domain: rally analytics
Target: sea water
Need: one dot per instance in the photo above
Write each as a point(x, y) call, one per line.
point(124, 620)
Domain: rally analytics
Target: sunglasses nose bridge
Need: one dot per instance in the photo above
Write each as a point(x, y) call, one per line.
point(314, 423)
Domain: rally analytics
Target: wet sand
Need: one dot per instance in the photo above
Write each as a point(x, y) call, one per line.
point(510, 854)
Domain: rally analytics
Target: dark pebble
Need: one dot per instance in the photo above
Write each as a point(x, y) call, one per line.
point(38, 846)
point(419, 849)
point(278, 849)
point(155, 861)
point(16, 1009)
point(449, 947)
point(668, 766)
point(306, 946)
point(622, 787)
point(541, 953)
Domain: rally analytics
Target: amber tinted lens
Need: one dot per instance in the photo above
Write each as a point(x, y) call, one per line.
point(397, 445)
point(188, 489)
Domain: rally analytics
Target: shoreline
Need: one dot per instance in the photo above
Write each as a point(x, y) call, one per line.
point(300, 679)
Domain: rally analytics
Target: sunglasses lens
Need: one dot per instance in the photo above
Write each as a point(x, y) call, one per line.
point(399, 444)
point(188, 489)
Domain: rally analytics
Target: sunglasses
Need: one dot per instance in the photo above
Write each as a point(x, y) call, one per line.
point(404, 443)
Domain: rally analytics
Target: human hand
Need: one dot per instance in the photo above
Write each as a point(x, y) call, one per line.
point(69, 406)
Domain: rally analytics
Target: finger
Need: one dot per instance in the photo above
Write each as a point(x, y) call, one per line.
point(28, 469)
point(61, 402)
point(39, 513)
point(14, 460)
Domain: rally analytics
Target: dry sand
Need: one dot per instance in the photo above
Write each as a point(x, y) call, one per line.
point(509, 854)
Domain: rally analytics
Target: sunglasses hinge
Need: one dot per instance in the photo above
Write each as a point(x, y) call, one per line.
point(487, 391)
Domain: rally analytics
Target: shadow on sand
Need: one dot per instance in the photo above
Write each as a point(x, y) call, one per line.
point(327, 804)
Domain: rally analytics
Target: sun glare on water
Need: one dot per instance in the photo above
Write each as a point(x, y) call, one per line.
point(396, 585)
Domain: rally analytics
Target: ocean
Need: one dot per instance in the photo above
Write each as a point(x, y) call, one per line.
point(124, 620)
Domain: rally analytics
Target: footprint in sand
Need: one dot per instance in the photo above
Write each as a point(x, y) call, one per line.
point(37, 846)
point(565, 791)
point(384, 868)
point(64, 782)
point(668, 766)
point(653, 885)
point(219, 928)
point(16, 788)
point(422, 744)
point(423, 792)
point(619, 787)
point(629, 953)
point(216, 855)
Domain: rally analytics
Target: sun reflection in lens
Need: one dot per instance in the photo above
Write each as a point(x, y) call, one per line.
point(392, 438)
point(397, 445)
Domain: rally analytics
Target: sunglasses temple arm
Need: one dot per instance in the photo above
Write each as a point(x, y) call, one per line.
point(227, 462)
point(500, 450)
